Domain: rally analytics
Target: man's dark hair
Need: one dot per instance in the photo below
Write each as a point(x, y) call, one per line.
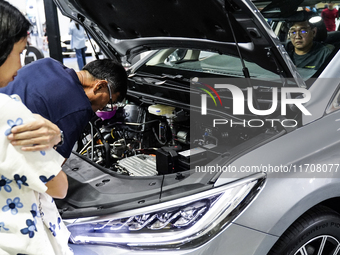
point(312, 25)
point(13, 27)
point(111, 71)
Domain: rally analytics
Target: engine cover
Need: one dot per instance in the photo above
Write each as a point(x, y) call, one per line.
point(139, 165)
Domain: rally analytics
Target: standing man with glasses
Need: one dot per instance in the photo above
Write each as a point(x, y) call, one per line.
point(306, 52)
point(67, 98)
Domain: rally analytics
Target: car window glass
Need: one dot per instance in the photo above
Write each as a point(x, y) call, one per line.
point(176, 56)
point(335, 105)
point(209, 63)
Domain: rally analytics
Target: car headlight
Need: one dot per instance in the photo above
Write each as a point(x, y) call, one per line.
point(191, 220)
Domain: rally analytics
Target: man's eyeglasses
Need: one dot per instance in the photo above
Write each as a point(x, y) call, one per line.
point(110, 108)
point(303, 32)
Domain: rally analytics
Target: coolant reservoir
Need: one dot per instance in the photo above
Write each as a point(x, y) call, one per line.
point(161, 110)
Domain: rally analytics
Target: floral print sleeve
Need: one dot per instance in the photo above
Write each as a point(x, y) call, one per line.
point(23, 227)
point(23, 169)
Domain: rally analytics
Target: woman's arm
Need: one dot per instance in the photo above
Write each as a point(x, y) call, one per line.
point(37, 135)
point(57, 187)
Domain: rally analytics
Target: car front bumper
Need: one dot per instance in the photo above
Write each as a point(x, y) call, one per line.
point(234, 240)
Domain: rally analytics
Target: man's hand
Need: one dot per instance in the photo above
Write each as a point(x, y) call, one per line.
point(37, 135)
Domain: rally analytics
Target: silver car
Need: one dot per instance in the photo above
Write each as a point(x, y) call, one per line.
point(222, 145)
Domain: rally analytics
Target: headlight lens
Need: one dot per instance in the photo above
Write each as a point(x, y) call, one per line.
point(189, 221)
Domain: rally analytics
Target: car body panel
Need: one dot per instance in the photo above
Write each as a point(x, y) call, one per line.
point(89, 186)
point(304, 189)
point(323, 90)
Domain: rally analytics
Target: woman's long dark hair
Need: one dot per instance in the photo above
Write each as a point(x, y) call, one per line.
point(13, 27)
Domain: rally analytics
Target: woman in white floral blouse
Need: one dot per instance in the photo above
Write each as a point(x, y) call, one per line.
point(29, 220)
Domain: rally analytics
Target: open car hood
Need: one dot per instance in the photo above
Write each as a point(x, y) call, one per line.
point(127, 28)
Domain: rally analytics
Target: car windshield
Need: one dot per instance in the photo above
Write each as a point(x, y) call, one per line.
point(208, 63)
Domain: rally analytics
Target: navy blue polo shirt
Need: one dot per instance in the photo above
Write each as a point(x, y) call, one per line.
point(54, 91)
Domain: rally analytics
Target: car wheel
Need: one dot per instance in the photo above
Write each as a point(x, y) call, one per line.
point(315, 232)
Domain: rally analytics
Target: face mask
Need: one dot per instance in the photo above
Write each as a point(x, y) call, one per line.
point(105, 115)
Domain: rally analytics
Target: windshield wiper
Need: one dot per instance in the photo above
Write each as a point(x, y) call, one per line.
point(161, 77)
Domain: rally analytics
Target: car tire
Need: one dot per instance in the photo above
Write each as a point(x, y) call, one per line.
point(315, 232)
point(32, 54)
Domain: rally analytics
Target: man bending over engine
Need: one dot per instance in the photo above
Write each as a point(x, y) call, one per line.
point(68, 98)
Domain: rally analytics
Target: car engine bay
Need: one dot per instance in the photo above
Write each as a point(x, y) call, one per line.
point(149, 140)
